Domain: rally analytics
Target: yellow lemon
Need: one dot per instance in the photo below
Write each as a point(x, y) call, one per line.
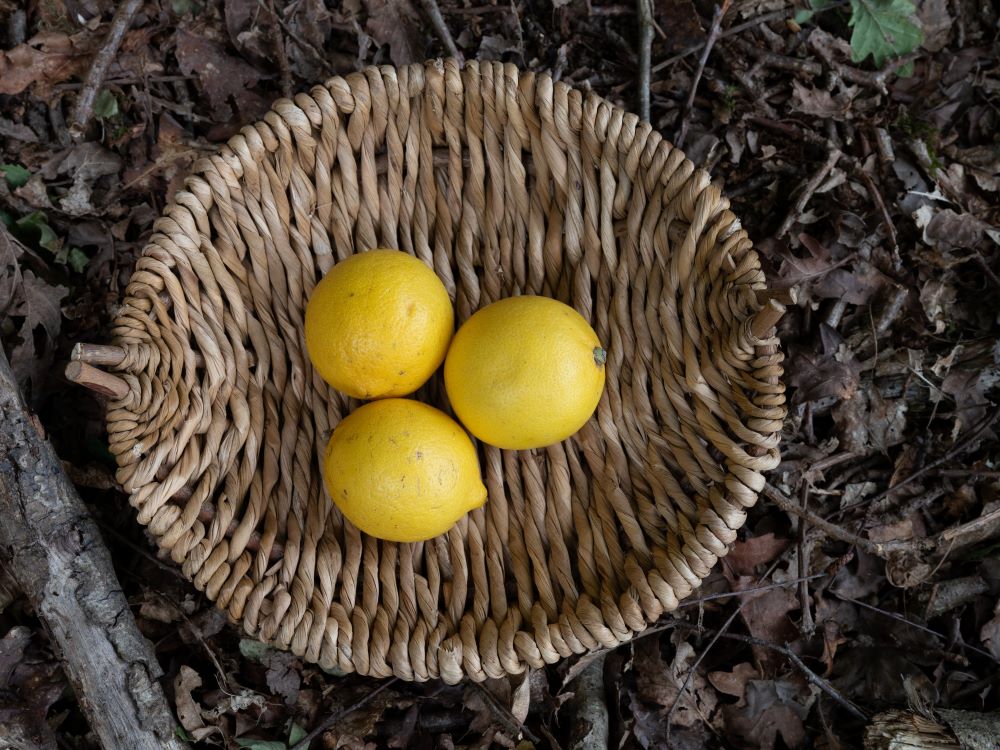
point(402, 470)
point(524, 372)
point(378, 324)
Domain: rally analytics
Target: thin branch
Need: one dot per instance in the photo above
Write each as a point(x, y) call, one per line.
point(881, 549)
point(278, 44)
point(774, 15)
point(697, 663)
point(808, 625)
point(99, 68)
point(961, 446)
point(516, 724)
point(334, 718)
point(795, 659)
point(713, 36)
point(441, 28)
point(915, 625)
point(807, 193)
point(645, 14)
point(743, 592)
point(890, 228)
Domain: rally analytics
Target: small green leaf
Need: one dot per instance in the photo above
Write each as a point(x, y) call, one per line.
point(36, 222)
point(16, 174)
point(295, 735)
point(182, 7)
point(77, 259)
point(183, 735)
point(253, 650)
point(6, 218)
point(105, 105)
point(261, 744)
point(883, 29)
point(801, 16)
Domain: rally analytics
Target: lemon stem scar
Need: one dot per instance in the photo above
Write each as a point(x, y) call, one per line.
point(600, 356)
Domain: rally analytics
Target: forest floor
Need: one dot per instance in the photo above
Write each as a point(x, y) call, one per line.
point(875, 553)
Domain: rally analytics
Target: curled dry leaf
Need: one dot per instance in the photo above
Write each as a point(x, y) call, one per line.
point(820, 103)
point(989, 634)
point(397, 23)
point(746, 555)
point(189, 712)
point(39, 304)
point(44, 60)
point(227, 81)
point(765, 710)
point(659, 683)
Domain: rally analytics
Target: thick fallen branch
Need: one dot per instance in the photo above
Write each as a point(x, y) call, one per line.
point(54, 552)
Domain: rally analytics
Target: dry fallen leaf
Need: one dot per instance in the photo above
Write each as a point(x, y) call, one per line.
point(188, 710)
point(227, 81)
point(39, 303)
point(989, 634)
point(820, 103)
point(735, 682)
point(397, 23)
point(746, 555)
point(46, 59)
point(818, 376)
point(660, 683)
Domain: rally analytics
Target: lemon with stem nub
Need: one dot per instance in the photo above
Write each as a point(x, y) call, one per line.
point(525, 372)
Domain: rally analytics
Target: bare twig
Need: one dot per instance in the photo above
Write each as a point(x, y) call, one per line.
point(774, 15)
point(99, 68)
point(971, 437)
point(53, 550)
point(779, 62)
point(745, 592)
point(278, 44)
point(807, 192)
point(697, 663)
point(976, 524)
point(794, 658)
point(803, 563)
point(890, 228)
point(713, 36)
point(514, 723)
point(645, 15)
point(334, 718)
point(881, 549)
point(915, 625)
point(441, 28)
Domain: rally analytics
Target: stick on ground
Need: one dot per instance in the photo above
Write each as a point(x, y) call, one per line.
point(713, 36)
point(99, 68)
point(55, 554)
point(441, 28)
point(807, 192)
point(645, 13)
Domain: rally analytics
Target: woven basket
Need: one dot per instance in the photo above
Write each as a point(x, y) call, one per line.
point(506, 183)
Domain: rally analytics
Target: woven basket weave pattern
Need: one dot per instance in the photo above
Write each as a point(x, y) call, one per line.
point(505, 183)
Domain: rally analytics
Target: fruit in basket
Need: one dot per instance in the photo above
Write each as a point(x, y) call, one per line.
point(378, 324)
point(401, 470)
point(524, 372)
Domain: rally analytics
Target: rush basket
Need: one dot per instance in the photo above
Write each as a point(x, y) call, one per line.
point(506, 183)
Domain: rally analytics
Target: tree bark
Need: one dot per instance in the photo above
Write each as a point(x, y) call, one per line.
point(55, 554)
